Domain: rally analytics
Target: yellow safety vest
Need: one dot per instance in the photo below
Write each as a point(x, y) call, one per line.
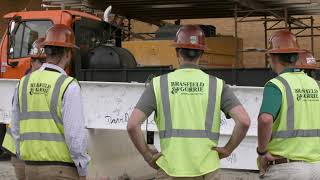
point(8, 142)
point(188, 119)
point(41, 125)
point(296, 130)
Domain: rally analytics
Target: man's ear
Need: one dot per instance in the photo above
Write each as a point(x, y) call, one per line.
point(177, 53)
point(68, 53)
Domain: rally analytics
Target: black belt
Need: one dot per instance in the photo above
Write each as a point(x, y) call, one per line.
point(49, 163)
point(282, 161)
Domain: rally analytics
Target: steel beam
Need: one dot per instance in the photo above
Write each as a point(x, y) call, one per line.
point(251, 4)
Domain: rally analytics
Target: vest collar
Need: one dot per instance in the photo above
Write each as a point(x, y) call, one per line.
point(189, 66)
point(291, 70)
point(52, 66)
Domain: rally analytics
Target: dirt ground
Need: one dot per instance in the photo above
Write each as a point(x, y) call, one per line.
point(7, 173)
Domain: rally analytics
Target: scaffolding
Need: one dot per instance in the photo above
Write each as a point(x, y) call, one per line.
point(154, 12)
point(273, 20)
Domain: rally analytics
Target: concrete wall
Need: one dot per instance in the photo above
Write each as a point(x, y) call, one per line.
point(117, 158)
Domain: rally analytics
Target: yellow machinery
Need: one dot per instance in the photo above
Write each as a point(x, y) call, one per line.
point(221, 53)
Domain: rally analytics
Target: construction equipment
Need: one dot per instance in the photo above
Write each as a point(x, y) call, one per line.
point(101, 58)
point(24, 28)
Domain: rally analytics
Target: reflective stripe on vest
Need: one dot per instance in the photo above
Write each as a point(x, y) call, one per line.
point(25, 115)
point(291, 132)
point(42, 115)
point(42, 136)
point(188, 133)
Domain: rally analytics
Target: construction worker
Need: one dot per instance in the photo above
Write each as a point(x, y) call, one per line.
point(288, 124)
point(187, 104)
point(308, 63)
point(3, 155)
point(37, 59)
point(47, 119)
point(10, 148)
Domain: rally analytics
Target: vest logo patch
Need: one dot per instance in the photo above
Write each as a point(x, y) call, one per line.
point(307, 94)
point(187, 88)
point(39, 88)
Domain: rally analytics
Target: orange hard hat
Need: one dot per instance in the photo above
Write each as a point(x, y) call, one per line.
point(37, 50)
point(60, 35)
point(190, 37)
point(306, 61)
point(283, 41)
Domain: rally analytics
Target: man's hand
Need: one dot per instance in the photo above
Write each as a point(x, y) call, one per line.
point(151, 156)
point(134, 130)
point(222, 151)
point(242, 124)
point(263, 163)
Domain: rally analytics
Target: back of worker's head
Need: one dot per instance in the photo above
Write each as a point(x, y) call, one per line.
point(283, 50)
point(58, 43)
point(55, 52)
point(189, 55)
point(189, 43)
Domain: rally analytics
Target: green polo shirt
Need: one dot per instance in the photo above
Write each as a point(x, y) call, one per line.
point(272, 97)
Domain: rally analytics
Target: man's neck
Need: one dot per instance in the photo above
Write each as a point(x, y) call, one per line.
point(280, 70)
point(284, 68)
point(57, 63)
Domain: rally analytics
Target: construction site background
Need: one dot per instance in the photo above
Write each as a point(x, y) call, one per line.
point(252, 33)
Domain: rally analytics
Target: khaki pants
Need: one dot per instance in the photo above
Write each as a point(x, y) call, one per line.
point(215, 175)
point(51, 172)
point(19, 168)
point(293, 171)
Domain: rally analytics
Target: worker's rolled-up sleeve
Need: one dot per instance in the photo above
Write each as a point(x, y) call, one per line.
point(228, 99)
point(74, 127)
point(147, 102)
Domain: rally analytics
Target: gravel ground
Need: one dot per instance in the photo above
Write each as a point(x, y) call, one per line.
point(6, 171)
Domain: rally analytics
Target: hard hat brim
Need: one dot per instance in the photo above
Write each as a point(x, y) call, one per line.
point(59, 44)
point(38, 56)
point(190, 46)
point(285, 51)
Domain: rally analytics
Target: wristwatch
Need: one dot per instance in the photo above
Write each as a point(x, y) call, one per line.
point(262, 153)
